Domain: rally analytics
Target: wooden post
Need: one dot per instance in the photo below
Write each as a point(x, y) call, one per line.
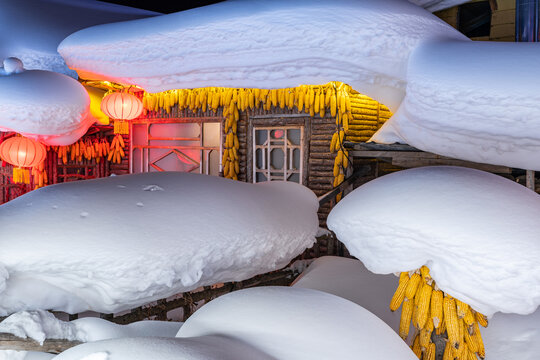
point(530, 179)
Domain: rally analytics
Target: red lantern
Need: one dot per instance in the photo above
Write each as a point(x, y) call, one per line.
point(121, 106)
point(22, 152)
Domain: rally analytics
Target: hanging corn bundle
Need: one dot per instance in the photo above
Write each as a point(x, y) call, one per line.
point(92, 149)
point(430, 310)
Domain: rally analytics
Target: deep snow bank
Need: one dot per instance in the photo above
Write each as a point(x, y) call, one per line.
point(474, 101)
point(50, 107)
point(477, 232)
point(119, 242)
point(262, 44)
point(295, 323)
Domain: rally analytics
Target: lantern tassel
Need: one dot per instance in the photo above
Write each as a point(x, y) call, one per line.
point(121, 127)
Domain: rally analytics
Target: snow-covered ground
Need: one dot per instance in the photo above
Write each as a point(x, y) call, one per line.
point(262, 44)
point(32, 29)
point(477, 232)
point(116, 243)
point(50, 107)
point(296, 324)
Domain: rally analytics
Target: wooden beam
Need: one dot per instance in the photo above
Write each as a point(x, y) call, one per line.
point(379, 147)
point(529, 179)
point(53, 346)
point(331, 195)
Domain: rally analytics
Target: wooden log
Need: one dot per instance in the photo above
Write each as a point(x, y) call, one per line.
point(53, 346)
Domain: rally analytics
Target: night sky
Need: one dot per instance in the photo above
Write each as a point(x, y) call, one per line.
point(164, 6)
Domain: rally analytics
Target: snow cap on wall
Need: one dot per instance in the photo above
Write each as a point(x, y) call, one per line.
point(146, 237)
point(262, 44)
point(50, 107)
point(477, 232)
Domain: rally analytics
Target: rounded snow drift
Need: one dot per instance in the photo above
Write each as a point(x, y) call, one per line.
point(293, 323)
point(116, 243)
point(144, 348)
point(477, 232)
point(46, 106)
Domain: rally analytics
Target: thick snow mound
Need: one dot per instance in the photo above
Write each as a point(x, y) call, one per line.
point(472, 101)
point(349, 279)
point(32, 29)
point(294, 323)
point(262, 43)
point(115, 243)
point(477, 232)
point(50, 107)
point(40, 325)
point(145, 348)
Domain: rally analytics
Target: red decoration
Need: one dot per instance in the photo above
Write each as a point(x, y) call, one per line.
point(121, 106)
point(22, 152)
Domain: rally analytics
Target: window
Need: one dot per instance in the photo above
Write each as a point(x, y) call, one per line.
point(278, 153)
point(176, 145)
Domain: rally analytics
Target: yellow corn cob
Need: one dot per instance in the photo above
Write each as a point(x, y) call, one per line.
point(469, 317)
point(448, 355)
point(424, 271)
point(436, 307)
point(423, 305)
point(425, 334)
point(412, 286)
point(345, 159)
point(336, 169)
point(405, 320)
point(482, 319)
point(461, 308)
point(451, 320)
point(416, 348)
point(399, 295)
point(334, 141)
point(471, 342)
point(477, 336)
point(430, 352)
point(333, 107)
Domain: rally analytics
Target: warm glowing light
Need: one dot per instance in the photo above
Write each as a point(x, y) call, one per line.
point(22, 152)
point(121, 106)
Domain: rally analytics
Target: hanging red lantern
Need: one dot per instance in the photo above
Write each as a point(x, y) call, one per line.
point(22, 152)
point(121, 106)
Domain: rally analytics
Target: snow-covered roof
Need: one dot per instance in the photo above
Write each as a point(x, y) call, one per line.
point(50, 107)
point(32, 29)
point(475, 101)
point(477, 232)
point(119, 242)
point(262, 44)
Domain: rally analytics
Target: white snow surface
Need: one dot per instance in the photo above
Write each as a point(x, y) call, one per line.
point(40, 325)
point(472, 101)
point(32, 29)
point(89, 245)
point(477, 232)
point(508, 336)
point(145, 348)
point(50, 107)
point(262, 44)
point(349, 279)
point(294, 323)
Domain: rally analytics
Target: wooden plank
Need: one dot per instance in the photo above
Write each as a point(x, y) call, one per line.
point(53, 346)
